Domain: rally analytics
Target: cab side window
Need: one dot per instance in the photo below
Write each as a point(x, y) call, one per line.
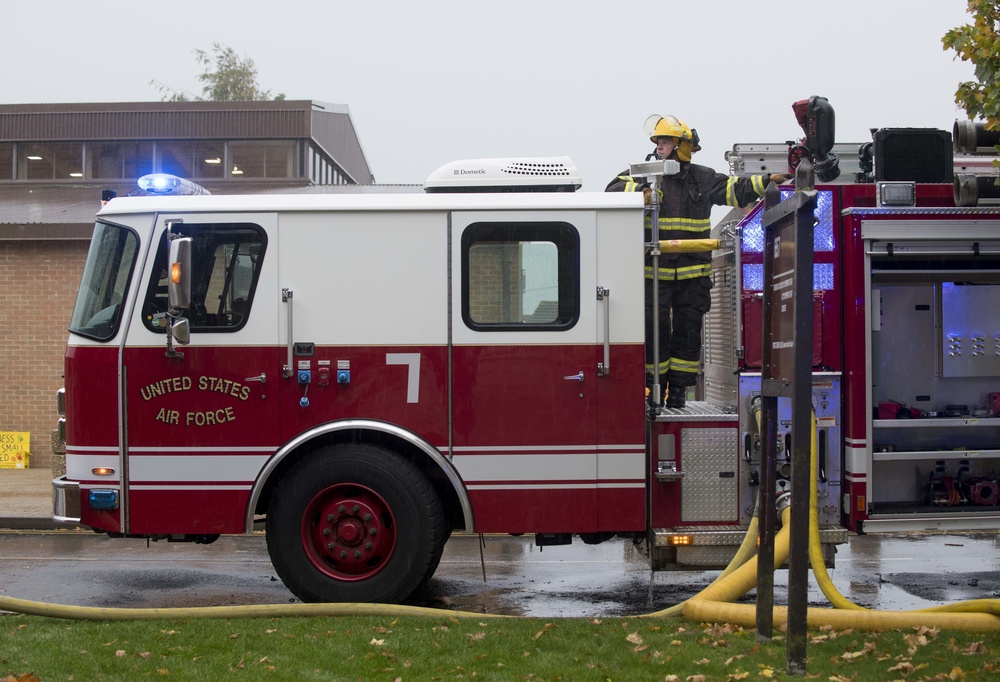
point(225, 262)
point(520, 276)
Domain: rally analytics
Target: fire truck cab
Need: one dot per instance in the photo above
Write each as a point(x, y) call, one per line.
point(362, 374)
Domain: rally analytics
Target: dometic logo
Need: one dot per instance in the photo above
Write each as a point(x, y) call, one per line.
point(462, 171)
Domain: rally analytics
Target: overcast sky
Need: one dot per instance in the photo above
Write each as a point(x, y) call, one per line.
point(433, 81)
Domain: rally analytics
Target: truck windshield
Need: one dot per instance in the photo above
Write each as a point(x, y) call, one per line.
point(106, 276)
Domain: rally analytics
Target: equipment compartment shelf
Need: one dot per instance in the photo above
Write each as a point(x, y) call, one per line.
point(910, 455)
point(949, 422)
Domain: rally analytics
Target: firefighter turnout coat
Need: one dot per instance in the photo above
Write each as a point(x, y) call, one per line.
point(686, 203)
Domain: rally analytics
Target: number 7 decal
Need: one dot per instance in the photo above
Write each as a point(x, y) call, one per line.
point(412, 360)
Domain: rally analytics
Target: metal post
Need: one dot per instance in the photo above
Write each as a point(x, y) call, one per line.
point(798, 555)
point(768, 443)
point(786, 372)
point(654, 251)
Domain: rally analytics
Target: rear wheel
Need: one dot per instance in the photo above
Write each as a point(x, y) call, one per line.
point(355, 523)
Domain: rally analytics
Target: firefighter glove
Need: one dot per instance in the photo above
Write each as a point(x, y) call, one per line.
point(780, 178)
point(647, 196)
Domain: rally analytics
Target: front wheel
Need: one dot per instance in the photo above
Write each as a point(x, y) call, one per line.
point(355, 523)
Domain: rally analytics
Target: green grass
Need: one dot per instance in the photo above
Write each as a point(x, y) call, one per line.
point(445, 648)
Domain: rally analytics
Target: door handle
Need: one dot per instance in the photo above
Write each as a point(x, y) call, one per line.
point(286, 297)
point(262, 378)
point(574, 377)
point(604, 368)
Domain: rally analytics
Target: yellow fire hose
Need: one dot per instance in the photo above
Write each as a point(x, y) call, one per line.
point(35, 608)
point(688, 245)
point(712, 604)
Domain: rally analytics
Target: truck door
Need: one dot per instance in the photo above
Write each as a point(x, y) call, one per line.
point(200, 423)
point(525, 353)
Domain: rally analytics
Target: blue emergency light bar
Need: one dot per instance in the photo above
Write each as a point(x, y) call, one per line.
point(163, 184)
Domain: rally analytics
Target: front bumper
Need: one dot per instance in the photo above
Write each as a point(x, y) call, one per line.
point(65, 501)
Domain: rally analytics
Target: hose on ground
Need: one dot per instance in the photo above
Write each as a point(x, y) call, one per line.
point(713, 605)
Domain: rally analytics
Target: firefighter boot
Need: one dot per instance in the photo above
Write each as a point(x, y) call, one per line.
point(675, 397)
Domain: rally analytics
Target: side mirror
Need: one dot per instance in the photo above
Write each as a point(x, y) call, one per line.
point(180, 330)
point(179, 273)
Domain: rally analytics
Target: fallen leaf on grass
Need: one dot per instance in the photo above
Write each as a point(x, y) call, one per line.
point(477, 636)
point(634, 638)
point(702, 661)
point(914, 642)
point(972, 649)
point(866, 649)
point(956, 674)
point(120, 653)
point(377, 642)
point(546, 628)
point(718, 630)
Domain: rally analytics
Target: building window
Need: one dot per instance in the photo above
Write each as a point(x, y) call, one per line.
point(192, 160)
point(6, 160)
point(520, 276)
point(119, 160)
point(50, 161)
point(270, 159)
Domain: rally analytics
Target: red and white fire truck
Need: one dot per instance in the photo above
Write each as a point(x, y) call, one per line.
point(361, 374)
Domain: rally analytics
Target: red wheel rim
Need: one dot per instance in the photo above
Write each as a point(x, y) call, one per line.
point(348, 531)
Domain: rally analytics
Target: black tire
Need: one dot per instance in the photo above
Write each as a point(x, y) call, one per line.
point(355, 523)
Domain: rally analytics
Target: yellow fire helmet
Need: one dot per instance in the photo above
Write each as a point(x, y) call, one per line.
point(671, 126)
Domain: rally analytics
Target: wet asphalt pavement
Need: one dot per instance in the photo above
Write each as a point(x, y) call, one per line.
point(886, 572)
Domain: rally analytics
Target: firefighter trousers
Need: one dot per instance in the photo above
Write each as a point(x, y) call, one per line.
point(683, 304)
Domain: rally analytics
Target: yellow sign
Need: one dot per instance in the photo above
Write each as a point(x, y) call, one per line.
point(15, 449)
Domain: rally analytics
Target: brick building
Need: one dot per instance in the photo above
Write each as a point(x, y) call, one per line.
point(55, 160)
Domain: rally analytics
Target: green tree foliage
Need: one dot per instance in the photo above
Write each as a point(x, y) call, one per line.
point(227, 77)
point(979, 43)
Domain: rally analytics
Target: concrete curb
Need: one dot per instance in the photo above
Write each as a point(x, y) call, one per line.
point(34, 523)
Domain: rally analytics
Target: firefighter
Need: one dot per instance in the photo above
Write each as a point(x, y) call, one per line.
point(684, 279)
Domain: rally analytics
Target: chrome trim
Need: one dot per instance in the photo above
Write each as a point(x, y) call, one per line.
point(63, 492)
point(443, 462)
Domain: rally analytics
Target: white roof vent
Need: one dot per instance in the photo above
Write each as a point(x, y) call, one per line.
point(520, 174)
